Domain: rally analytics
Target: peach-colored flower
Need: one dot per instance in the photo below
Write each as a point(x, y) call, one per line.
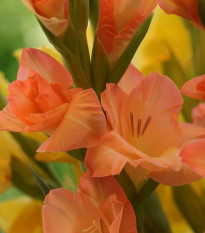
point(53, 14)
point(118, 21)
point(41, 101)
point(185, 8)
point(99, 205)
point(144, 130)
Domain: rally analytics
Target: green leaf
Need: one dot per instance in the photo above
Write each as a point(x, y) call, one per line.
point(155, 218)
point(191, 206)
point(94, 13)
point(145, 191)
point(125, 59)
point(78, 154)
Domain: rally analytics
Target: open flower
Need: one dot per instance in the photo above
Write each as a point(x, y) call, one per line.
point(41, 101)
point(118, 21)
point(144, 130)
point(99, 205)
point(53, 14)
point(185, 8)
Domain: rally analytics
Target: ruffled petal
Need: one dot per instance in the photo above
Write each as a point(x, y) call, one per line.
point(99, 159)
point(46, 66)
point(82, 126)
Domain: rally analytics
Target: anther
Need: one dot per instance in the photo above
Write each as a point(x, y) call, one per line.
point(146, 125)
point(132, 123)
point(139, 123)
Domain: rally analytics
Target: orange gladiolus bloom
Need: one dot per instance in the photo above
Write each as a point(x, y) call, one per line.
point(53, 14)
point(118, 21)
point(144, 130)
point(184, 8)
point(99, 205)
point(198, 114)
point(41, 101)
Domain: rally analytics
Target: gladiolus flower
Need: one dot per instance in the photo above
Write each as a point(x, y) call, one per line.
point(144, 130)
point(118, 21)
point(185, 8)
point(41, 101)
point(53, 14)
point(99, 205)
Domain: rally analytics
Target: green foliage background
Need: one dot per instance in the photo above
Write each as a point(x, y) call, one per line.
point(18, 29)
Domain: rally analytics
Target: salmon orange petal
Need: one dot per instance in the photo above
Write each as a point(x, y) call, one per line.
point(82, 126)
point(46, 66)
point(130, 79)
point(9, 122)
point(175, 178)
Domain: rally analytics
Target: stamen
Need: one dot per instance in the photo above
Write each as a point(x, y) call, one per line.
point(132, 123)
point(101, 226)
point(146, 125)
point(139, 123)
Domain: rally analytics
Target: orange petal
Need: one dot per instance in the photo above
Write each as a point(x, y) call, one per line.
point(169, 177)
point(195, 88)
point(112, 100)
point(106, 25)
point(63, 212)
point(47, 99)
point(51, 8)
point(48, 121)
point(198, 114)
point(99, 159)
point(155, 100)
point(130, 79)
point(194, 156)
point(43, 64)
point(82, 125)
point(9, 122)
point(99, 189)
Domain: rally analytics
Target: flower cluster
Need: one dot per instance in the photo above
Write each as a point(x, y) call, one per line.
point(104, 112)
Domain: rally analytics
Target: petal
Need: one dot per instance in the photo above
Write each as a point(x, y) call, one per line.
point(54, 25)
point(82, 125)
point(46, 66)
point(51, 8)
point(106, 25)
point(169, 177)
point(194, 156)
point(130, 79)
point(195, 88)
point(47, 122)
point(47, 99)
point(100, 189)
point(99, 159)
point(154, 106)
point(198, 114)
point(63, 212)
point(9, 122)
point(112, 99)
